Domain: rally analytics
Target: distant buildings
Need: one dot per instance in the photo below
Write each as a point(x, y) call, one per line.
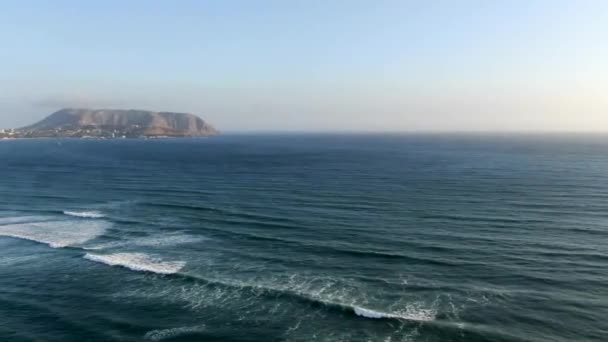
point(8, 133)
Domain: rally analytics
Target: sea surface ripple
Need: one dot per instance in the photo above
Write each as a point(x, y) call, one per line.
point(305, 237)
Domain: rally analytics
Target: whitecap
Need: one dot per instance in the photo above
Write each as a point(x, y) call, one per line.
point(162, 334)
point(84, 214)
point(371, 313)
point(158, 240)
point(171, 239)
point(412, 313)
point(347, 296)
point(56, 234)
point(138, 262)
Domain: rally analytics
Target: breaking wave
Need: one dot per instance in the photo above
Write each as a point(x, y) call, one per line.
point(337, 299)
point(84, 214)
point(410, 314)
point(138, 262)
point(162, 334)
point(56, 234)
point(158, 240)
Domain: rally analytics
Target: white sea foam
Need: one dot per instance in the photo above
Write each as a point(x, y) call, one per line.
point(157, 240)
point(411, 314)
point(347, 295)
point(162, 334)
point(84, 214)
point(335, 294)
point(138, 262)
point(170, 239)
point(56, 234)
point(371, 313)
point(24, 219)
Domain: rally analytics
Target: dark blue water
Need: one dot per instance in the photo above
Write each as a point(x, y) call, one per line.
point(305, 238)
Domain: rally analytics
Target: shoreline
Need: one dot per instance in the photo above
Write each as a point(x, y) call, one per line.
point(105, 138)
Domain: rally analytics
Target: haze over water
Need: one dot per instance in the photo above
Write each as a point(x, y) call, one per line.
point(267, 65)
point(305, 238)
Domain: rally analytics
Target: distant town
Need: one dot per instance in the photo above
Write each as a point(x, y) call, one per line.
point(77, 132)
point(8, 133)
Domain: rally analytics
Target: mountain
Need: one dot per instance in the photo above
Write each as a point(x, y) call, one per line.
point(72, 122)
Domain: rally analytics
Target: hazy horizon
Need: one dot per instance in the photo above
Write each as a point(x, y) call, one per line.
point(343, 66)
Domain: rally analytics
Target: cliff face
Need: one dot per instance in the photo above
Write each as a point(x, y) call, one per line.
point(130, 122)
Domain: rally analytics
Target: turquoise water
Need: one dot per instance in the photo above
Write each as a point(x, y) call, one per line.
point(305, 238)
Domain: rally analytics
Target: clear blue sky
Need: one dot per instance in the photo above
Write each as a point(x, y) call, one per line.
point(313, 65)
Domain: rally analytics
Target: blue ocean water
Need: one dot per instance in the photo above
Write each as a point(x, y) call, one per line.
point(305, 238)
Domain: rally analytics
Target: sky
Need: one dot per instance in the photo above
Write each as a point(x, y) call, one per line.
point(316, 65)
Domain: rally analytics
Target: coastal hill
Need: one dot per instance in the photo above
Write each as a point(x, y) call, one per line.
point(113, 123)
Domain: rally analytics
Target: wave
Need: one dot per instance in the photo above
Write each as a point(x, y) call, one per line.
point(368, 313)
point(321, 247)
point(412, 312)
point(56, 234)
point(24, 219)
point(186, 207)
point(84, 214)
point(231, 216)
point(409, 315)
point(138, 262)
point(296, 290)
point(159, 240)
point(168, 240)
point(9, 261)
point(162, 334)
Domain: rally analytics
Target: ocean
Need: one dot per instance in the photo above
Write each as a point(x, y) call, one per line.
point(305, 237)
